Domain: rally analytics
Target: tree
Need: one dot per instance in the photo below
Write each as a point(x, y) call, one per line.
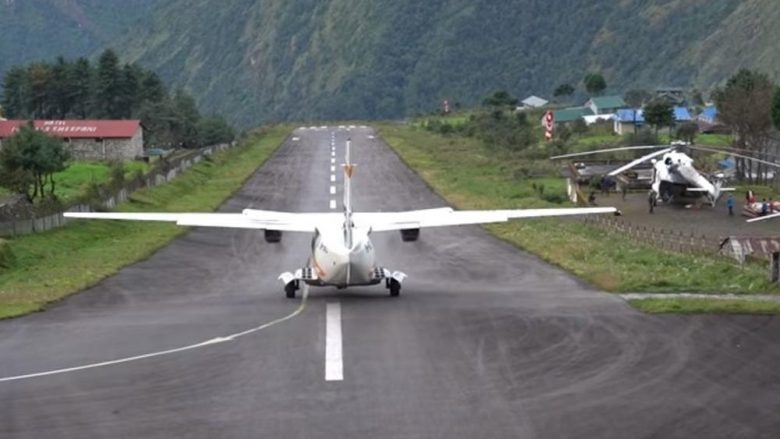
point(39, 75)
point(108, 86)
point(659, 113)
point(563, 90)
point(30, 158)
point(745, 106)
point(636, 98)
point(16, 93)
point(688, 131)
point(82, 77)
point(776, 109)
point(58, 93)
point(185, 127)
point(213, 130)
point(500, 98)
point(594, 84)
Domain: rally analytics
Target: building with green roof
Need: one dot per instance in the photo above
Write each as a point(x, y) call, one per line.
point(606, 104)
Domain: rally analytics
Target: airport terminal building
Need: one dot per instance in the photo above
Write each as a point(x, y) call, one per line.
point(89, 139)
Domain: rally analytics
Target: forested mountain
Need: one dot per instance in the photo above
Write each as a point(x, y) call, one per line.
point(41, 30)
point(258, 60)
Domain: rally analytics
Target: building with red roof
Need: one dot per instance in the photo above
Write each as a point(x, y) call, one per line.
point(88, 139)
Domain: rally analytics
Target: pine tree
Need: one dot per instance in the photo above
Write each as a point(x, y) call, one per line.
point(108, 86)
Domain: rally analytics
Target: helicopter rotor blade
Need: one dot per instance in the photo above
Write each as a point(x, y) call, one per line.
point(631, 164)
point(700, 148)
point(600, 151)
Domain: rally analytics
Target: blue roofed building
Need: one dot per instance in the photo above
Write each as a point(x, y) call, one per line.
point(628, 120)
point(709, 115)
point(709, 122)
point(681, 115)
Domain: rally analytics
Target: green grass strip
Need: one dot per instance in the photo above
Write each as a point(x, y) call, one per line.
point(43, 268)
point(704, 306)
point(470, 177)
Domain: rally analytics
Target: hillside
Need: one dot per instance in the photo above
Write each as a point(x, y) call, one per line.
point(260, 60)
point(35, 30)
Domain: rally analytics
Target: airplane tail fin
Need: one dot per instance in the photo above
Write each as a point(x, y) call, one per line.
point(349, 168)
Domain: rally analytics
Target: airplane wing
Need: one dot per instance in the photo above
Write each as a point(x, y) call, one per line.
point(382, 222)
point(762, 218)
point(286, 222)
point(308, 222)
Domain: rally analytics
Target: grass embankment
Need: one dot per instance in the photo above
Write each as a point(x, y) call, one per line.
point(463, 172)
point(42, 268)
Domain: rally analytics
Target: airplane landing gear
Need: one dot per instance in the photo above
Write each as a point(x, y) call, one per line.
point(290, 288)
point(394, 286)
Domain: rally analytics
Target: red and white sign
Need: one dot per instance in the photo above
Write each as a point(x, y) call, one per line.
point(549, 124)
point(76, 129)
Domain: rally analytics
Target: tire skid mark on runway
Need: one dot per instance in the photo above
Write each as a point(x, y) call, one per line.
point(213, 341)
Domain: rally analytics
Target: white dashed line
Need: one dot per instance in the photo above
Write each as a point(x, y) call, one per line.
point(332, 169)
point(332, 204)
point(333, 160)
point(334, 365)
point(333, 190)
point(332, 178)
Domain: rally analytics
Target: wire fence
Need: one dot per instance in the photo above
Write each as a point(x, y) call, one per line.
point(664, 239)
point(25, 220)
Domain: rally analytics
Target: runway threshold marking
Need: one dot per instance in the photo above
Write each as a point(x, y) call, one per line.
point(202, 344)
point(334, 365)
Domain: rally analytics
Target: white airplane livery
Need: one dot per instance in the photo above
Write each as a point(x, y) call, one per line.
point(342, 254)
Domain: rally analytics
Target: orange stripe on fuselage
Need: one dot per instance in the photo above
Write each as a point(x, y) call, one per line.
point(320, 272)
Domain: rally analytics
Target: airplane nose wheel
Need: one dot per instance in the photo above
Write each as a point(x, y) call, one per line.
point(394, 286)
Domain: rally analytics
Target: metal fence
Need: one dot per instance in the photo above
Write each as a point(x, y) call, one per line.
point(35, 222)
point(665, 239)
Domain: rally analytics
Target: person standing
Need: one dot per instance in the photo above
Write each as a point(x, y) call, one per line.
point(730, 204)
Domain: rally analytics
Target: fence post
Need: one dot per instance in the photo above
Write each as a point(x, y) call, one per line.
point(774, 267)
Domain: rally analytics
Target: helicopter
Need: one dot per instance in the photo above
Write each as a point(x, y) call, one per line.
point(674, 177)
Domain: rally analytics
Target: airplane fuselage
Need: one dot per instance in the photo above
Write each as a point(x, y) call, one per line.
point(340, 265)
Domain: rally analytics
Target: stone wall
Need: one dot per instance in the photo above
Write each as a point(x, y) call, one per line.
point(107, 149)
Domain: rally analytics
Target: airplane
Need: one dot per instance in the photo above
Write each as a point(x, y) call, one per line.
point(342, 254)
point(674, 175)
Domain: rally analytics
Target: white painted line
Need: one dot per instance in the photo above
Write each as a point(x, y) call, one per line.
point(333, 160)
point(333, 190)
point(332, 178)
point(333, 153)
point(213, 341)
point(332, 204)
point(334, 365)
point(332, 169)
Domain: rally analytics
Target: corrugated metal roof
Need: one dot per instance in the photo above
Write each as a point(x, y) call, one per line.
point(681, 114)
point(534, 101)
point(77, 129)
point(709, 114)
point(630, 115)
point(608, 102)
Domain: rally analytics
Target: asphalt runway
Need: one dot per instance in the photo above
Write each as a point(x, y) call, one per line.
point(485, 341)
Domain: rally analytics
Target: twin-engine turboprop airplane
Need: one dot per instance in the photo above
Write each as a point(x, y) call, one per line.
point(341, 252)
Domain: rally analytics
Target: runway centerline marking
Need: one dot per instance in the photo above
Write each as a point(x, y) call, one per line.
point(332, 178)
point(213, 341)
point(333, 190)
point(332, 169)
point(334, 365)
point(333, 160)
point(332, 204)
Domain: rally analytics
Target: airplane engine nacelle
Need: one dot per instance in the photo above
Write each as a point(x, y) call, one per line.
point(409, 235)
point(273, 236)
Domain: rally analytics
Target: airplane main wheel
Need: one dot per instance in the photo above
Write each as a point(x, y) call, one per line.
point(395, 288)
point(289, 290)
